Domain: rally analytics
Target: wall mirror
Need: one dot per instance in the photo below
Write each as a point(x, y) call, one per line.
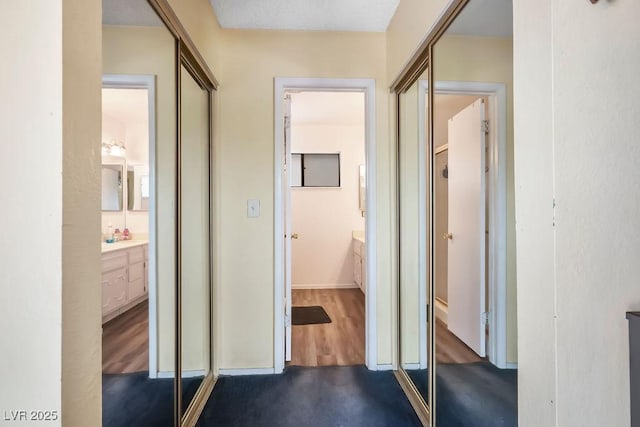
point(474, 274)
point(195, 240)
point(413, 293)
point(146, 47)
point(112, 187)
point(138, 187)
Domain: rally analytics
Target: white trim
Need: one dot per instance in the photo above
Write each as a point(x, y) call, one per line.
point(422, 231)
point(185, 374)
point(511, 365)
point(247, 371)
point(441, 311)
point(282, 85)
point(385, 367)
point(325, 286)
point(412, 366)
point(497, 181)
point(147, 81)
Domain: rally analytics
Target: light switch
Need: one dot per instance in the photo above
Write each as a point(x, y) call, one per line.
point(253, 208)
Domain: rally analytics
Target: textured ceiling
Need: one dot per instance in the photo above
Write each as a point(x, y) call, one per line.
point(312, 15)
point(486, 18)
point(335, 108)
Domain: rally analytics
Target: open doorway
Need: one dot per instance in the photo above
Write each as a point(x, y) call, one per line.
point(461, 269)
point(326, 190)
point(127, 218)
point(483, 313)
point(324, 168)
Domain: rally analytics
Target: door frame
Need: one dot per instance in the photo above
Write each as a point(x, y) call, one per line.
point(148, 82)
point(497, 200)
point(366, 86)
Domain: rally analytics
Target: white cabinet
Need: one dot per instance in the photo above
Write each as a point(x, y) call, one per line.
point(124, 280)
point(359, 270)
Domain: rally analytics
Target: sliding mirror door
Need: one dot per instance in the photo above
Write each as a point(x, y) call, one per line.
point(412, 268)
point(139, 128)
point(195, 235)
point(474, 263)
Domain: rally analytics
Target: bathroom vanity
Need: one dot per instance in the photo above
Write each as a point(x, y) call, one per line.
point(359, 264)
point(125, 276)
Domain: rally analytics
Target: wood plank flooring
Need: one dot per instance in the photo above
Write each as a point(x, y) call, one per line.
point(450, 349)
point(125, 341)
point(340, 342)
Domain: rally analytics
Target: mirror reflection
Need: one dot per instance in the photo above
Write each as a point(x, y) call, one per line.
point(474, 262)
point(111, 187)
point(413, 292)
point(138, 187)
point(139, 268)
point(195, 235)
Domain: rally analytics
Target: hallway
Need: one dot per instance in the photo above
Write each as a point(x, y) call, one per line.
point(323, 396)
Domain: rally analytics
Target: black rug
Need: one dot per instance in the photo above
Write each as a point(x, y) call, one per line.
point(137, 400)
point(309, 315)
point(472, 394)
point(349, 396)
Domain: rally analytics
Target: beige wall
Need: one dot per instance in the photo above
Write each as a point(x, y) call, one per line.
point(150, 50)
point(249, 62)
point(577, 132)
point(51, 318)
point(31, 292)
point(202, 26)
point(81, 302)
point(326, 217)
point(408, 27)
point(487, 59)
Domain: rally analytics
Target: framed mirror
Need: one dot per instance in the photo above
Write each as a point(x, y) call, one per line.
point(112, 188)
point(138, 187)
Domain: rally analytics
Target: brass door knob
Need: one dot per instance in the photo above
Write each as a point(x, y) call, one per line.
point(447, 236)
point(294, 236)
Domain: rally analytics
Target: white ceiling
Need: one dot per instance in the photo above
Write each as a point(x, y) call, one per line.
point(336, 108)
point(129, 12)
point(312, 15)
point(127, 106)
point(486, 18)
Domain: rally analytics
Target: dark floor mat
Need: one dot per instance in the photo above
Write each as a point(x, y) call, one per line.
point(312, 315)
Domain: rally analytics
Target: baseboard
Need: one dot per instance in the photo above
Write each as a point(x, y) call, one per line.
point(512, 365)
point(385, 367)
point(185, 374)
point(246, 371)
point(118, 311)
point(411, 366)
point(324, 286)
point(441, 311)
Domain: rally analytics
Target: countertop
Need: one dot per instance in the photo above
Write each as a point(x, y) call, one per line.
point(358, 235)
point(123, 244)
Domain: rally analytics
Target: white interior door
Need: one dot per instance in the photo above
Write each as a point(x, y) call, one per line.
point(287, 226)
point(466, 252)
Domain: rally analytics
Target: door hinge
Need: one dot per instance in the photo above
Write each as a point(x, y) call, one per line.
point(485, 317)
point(484, 127)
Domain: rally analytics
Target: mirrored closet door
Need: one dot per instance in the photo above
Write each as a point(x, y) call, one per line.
point(413, 293)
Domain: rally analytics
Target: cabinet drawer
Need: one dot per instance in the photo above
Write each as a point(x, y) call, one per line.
point(114, 261)
point(136, 271)
point(136, 255)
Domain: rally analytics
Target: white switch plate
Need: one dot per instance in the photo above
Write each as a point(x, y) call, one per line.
point(253, 208)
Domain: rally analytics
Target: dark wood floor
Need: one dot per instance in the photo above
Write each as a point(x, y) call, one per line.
point(125, 341)
point(450, 349)
point(340, 342)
